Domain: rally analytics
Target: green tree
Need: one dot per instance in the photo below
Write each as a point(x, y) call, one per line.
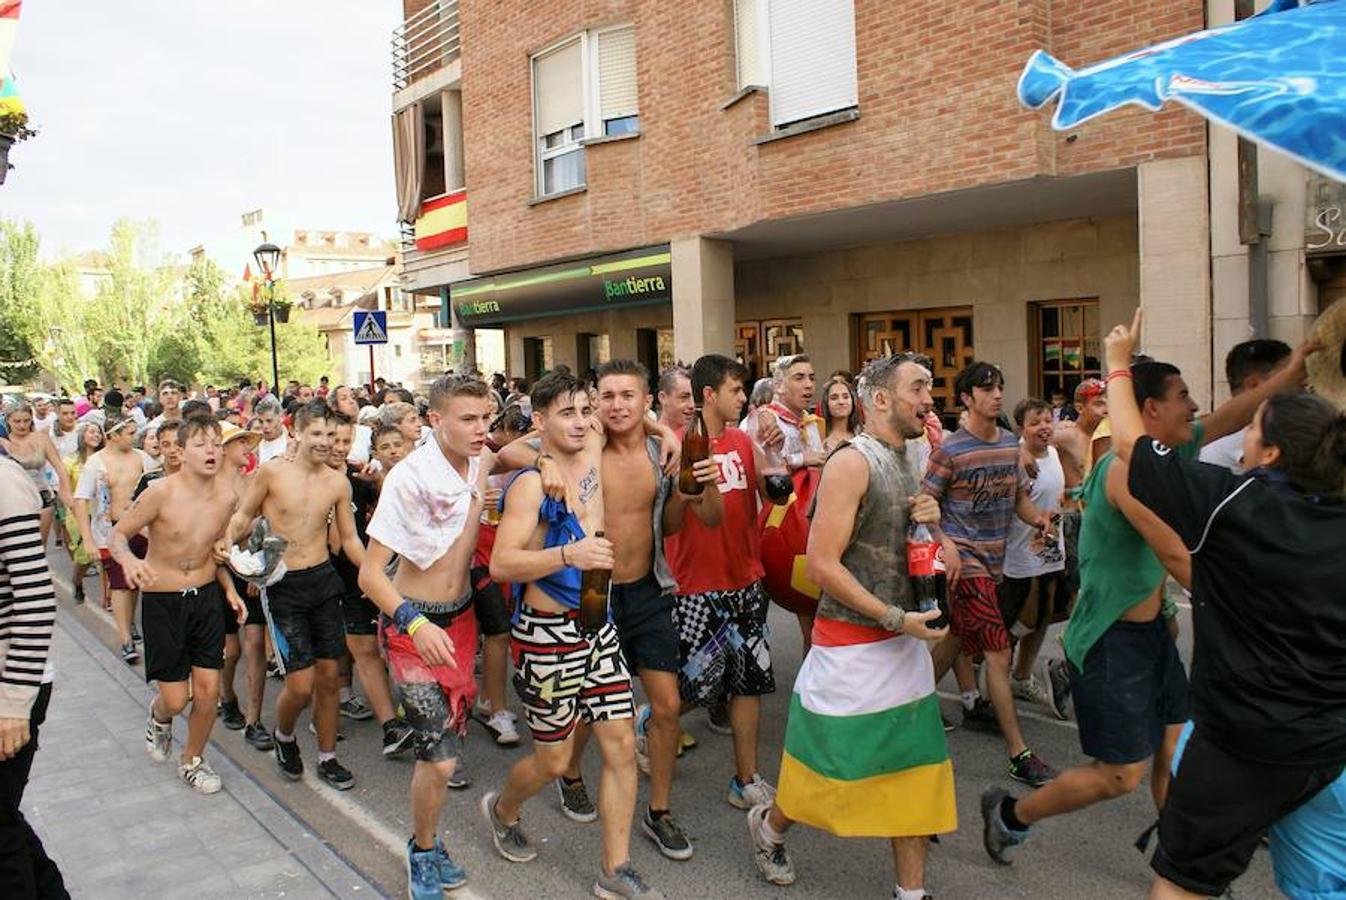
point(19, 272)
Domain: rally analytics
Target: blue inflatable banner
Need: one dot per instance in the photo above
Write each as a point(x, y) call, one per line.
point(1278, 78)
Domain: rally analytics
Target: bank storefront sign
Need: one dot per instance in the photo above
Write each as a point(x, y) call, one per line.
point(631, 278)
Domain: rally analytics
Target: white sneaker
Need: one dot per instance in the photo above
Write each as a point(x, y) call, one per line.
point(158, 738)
point(642, 739)
point(199, 776)
point(1029, 689)
point(757, 792)
point(501, 724)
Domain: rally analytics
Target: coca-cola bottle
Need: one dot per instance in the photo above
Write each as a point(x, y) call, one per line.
point(695, 448)
point(925, 567)
point(594, 584)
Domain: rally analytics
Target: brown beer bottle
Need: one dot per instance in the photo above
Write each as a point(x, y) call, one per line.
point(594, 585)
point(695, 448)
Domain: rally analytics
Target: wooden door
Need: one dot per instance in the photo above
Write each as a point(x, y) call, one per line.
point(944, 335)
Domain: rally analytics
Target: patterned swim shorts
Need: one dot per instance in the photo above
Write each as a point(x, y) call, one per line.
point(722, 641)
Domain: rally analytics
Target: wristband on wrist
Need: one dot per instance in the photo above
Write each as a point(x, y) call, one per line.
point(563, 556)
point(1116, 373)
point(404, 615)
point(892, 618)
point(415, 625)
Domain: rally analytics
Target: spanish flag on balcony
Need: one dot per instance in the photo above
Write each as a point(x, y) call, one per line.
point(442, 222)
point(865, 754)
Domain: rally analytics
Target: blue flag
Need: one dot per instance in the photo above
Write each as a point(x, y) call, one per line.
point(1278, 78)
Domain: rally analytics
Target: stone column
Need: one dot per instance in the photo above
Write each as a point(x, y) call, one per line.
point(703, 297)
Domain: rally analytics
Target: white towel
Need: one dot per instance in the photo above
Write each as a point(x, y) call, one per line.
point(423, 506)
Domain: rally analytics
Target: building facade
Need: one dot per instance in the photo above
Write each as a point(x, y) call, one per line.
point(845, 178)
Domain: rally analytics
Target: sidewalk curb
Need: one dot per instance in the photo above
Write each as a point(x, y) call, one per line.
point(323, 861)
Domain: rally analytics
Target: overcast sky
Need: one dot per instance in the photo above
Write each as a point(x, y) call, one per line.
point(193, 111)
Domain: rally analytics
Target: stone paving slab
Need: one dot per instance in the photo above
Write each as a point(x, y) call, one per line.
point(120, 825)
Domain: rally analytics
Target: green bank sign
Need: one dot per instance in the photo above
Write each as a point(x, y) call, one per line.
point(632, 278)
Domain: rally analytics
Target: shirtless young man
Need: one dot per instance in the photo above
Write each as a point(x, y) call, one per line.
point(186, 514)
point(639, 506)
point(564, 674)
point(103, 495)
point(428, 514)
point(303, 609)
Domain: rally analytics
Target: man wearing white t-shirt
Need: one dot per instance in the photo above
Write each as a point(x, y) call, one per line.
point(275, 441)
point(1246, 366)
point(1034, 592)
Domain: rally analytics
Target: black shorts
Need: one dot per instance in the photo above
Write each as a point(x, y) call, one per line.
point(254, 605)
point(488, 602)
point(643, 615)
point(1027, 604)
point(723, 645)
point(358, 612)
point(1133, 686)
point(1218, 809)
point(183, 630)
point(303, 612)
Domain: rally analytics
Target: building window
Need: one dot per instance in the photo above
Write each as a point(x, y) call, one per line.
point(810, 57)
point(1067, 348)
point(584, 87)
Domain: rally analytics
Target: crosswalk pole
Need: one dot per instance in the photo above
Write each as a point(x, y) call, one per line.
point(371, 370)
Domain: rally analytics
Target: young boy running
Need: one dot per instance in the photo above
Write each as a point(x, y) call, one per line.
point(186, 514)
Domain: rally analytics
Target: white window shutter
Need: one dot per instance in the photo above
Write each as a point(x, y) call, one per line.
point(747, 39)
point(617, 96)
point(559, 88)
point(812, 58)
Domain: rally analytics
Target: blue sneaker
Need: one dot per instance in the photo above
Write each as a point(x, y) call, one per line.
point(451, 875)
point(642, 738)
point(423, 879)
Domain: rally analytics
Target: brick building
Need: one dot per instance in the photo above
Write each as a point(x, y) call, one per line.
point(843, 177)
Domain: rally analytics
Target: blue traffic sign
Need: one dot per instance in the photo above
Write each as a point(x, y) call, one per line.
point(371, 327)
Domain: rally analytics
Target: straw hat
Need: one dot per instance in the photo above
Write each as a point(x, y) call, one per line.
point(231, 432)
point(1327, 367)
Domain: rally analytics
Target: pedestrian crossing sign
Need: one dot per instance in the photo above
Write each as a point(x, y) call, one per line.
point(371, 326)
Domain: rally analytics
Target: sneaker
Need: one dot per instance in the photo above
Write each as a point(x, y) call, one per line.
point(398, 737)
point(313, 730)
point(333, 774)
point(981, 717)
point(423, 872)
point(256, 734)
point(501, 724)
point(273, 668)
point(685, 742)
point(996, 836)
point(158, 738)
point(199, 776)
point(130, 655)
point(288, 759)
point(451, 875)
point(1029, 769)
point(772, 859)
point(717, 719)
point(575, 802)
point(1029, 689)
point(355, 708)
point(625, 882)
point(135, 634)
point(643, 739)
point(756, 792)
point(1058, 688)
point(461, 779)
point(79, 593)
point(231, 716)
point(947, 723)
point(510, 841)
point(667, 835)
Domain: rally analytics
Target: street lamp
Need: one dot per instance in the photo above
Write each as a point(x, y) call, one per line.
point(267, 255)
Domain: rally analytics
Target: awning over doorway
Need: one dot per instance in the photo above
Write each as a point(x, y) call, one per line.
point(637, 277)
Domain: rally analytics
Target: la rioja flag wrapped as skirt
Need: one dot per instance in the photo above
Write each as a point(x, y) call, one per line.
point(865, 754)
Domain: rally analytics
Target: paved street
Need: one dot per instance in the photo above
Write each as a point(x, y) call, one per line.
point(1086, 855)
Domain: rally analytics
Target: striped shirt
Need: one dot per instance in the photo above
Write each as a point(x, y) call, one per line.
point(976, 483)
point(27, 601)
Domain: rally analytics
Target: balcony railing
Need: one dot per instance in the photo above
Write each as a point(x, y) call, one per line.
point(425, 42)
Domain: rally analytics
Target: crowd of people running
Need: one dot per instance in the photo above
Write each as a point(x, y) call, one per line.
point(423, 547)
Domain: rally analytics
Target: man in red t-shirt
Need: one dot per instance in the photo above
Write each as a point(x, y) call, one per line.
point(721, 604)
